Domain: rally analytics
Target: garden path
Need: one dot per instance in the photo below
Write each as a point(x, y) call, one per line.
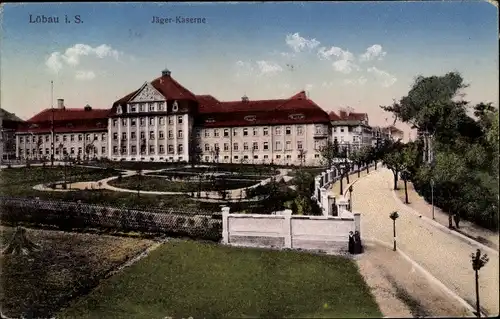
point(443, 254)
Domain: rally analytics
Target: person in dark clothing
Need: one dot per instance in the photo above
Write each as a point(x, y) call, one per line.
point(351, 242)
point(358, 248)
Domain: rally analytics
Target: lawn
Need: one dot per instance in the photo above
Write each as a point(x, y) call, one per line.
point(20, 181)
point(192, 174)
point(190, 279)
point(311, 170)
point(66, 265)
point(160, 184)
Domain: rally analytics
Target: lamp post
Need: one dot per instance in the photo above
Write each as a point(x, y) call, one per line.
point(432, 197)
point(350, 198)
point(478, 262)
point(394, 215)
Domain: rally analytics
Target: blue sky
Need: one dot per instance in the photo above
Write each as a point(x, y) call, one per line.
point(247, 48)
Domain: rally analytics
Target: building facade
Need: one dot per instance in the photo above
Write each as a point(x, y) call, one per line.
point(9, 124)
point(60, 132)
point(162, 121)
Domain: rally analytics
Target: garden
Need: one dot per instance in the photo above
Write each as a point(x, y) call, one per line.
point(63, 266)
point(184, 279)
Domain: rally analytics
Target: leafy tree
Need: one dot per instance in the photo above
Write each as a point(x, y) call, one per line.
point(329, 153)
point(358, 158)
point(195, 150)
point(394, 160)
point(302, 156)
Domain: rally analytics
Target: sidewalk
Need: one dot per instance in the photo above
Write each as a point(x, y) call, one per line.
point(469, 229)
point(335, 187)
point(401, 290)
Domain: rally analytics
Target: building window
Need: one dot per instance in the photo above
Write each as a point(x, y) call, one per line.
point(141, 107)
point(88, 137)
point(266, 146)
point(235, 157)
point(115, 136)
point(151, 135)
point(207, 158)
point(133, 108)
point(103, 136)
point(124, 122)
point(170, 120)
point(342, 129)
point(316, 145)
point(207, 147)
point(79, 150)
point(179, 134)
point(72, 151)
point(115, 122)
point(288, 130)
point(278, 146)
point(288, 156)
point(161, 120)
point(255, 131)
point(278, 156)
point(226, 147)
point(216, 133)
point(151, 107)
point(46, 138)
point(245, 146)
point(160, 106)
point(226, 157)
point(255, 146)
point(245, 132)
point(207, 133)
point(47, 151)
point(133, 149)
point(277, 131)
point(265, 131)
point(300, 130)
point(161, 135)
point(162, 149)
point(95, 137)
point(226, 132)
point(235, 132)
point(170, 149)
point(143, 135)
point(142, 121)
point(133, 135)
point(64, 138)
point(21, 139)
point(151, 149)
point(316, 155)
point(152, 121)
point(72, 137)
point(124, 136)
point(179, 119)
point(170, 134)
point(288, 145)
point(180, 148)
point(103, 150)
point(299, 145)
point(235, 146)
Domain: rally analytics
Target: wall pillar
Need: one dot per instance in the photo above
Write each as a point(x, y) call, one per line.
point(324, 201)
point(331, 202)
point(225, 225)
point(287, 228)
point(357, 223)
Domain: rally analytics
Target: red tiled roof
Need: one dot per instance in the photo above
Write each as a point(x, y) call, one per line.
point(73, 129)
point(69, 114)
point(333, 116)
point(168, 87)
point(351, 116)
point(299, 96)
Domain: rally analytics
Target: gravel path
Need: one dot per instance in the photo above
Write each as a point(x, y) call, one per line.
point(445, 256)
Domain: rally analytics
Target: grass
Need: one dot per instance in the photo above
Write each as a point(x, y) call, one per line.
point(159, 184)
point(66, 265)
point(188, 279)
point(312, 170)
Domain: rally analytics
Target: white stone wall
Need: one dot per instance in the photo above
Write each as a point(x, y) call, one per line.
point(287, 231)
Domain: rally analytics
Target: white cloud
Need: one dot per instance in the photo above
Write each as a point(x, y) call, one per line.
point(344, 66)
point(268, 68)
point(336, 52)
point(243, 68)
point(72, 55)
point(287, 55)
point(327, 84)
point(298, 43)
point(384, 77)
point(359, 81)
point(372, 53)
point(84, 75)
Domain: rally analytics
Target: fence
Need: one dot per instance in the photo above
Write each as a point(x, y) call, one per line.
point(78, 216)
point(283, 230)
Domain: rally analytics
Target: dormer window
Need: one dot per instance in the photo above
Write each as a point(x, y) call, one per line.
point(250, 118)
point(209, 120)
point(296, 116)
point(99, 124)
point(133, 108)
point(33, 125)
point(175, 106)
point(119, 109)
point(69, 125)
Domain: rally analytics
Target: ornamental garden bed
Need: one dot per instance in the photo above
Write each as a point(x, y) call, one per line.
point(159, 184)
point(65, 266)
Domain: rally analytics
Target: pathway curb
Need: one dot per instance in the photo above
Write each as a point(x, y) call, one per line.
point(443, 228)
point(429, 276)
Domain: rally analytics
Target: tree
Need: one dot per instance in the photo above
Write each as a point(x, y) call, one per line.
point(329, 153)
point(394, 160)
point(302, 156)
point(195, 150)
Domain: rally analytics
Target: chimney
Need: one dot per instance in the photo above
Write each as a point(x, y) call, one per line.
point(165, 72)
point(60, 104)
point(244, 98)
point(87, 108)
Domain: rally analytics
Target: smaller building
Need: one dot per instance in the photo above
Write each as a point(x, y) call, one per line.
point(60, 132)
point(351, 130)
point(9, 123)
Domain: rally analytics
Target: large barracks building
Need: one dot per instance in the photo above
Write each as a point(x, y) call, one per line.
point(164, 121)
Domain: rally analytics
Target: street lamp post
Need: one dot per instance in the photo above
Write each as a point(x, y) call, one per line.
point(350, 198)
point(432, 198)
point(478, 262)
point(394, 215)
